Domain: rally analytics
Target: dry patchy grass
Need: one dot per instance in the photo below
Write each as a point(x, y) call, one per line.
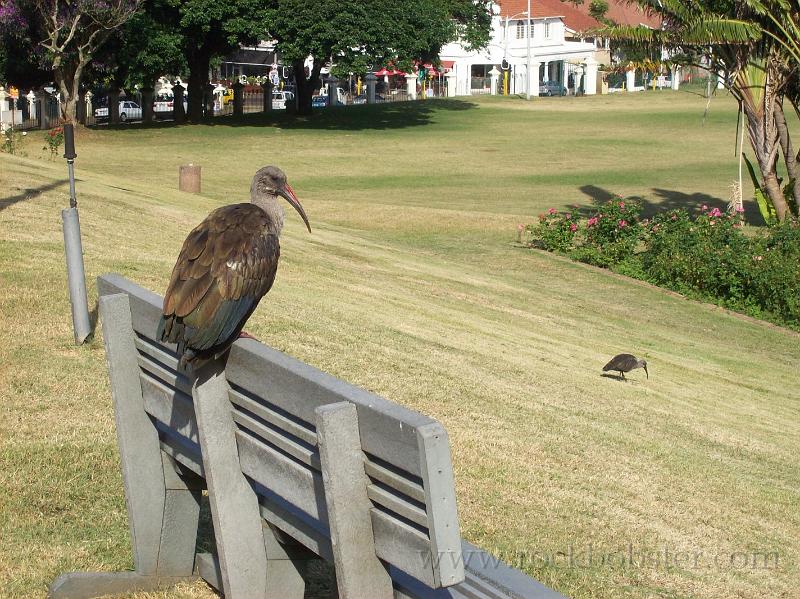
point(419, 294)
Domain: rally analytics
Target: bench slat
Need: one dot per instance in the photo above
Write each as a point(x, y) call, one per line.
point(169, 406)
point(296, 483)
point(394, 480)
point(304, 433)
point(394, 503)
point(387, 430)
point(157, 351)
point(403, 546)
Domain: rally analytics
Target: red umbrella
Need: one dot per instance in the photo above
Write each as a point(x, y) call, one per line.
point(384, 71)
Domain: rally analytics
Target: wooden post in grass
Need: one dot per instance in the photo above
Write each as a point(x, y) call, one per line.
point(189, 178)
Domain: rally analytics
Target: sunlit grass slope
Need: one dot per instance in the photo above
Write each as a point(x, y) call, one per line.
point(411, 285)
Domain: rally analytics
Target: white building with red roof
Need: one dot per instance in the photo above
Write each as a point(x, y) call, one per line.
point(561, 51)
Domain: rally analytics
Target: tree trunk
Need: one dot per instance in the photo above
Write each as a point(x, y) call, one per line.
point(773, 189)
point(789, 157)
point(305, 86)
point(199, 61)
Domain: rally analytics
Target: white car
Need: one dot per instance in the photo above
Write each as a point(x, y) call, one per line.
point(162, 107)
point(128, 111)
point(279, 99)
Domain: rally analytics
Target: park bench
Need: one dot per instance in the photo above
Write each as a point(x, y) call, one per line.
point(298, 465)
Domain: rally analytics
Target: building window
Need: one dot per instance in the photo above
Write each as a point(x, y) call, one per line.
point(520, 29)
point(547, 30)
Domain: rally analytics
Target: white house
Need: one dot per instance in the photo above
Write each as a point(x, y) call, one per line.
point(556, 52)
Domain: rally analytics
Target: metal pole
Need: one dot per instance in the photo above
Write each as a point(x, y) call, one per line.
point(76, 277)
point(528, 76)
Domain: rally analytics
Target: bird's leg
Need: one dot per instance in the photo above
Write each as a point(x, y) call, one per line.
point(622, 374)
point(246, 335)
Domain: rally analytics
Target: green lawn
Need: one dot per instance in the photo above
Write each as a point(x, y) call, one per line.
point(411, 285)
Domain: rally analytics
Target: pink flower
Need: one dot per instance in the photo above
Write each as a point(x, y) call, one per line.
point(704, 207)
point(573, 227)
point(622, 224)
point(715, 212)
point(739, 209)
point(674, 217)
point(551, 211)
point(520, 227)
point(591, 222)
point(622, 204)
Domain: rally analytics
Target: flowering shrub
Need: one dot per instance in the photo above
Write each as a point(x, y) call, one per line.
point(555, 231)
point(612, 233)
point(10, 140)
point(53, 140)
point(707, 256)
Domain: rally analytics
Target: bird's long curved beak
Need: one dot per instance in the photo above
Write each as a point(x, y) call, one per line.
point(645, 368)
point(288, 193)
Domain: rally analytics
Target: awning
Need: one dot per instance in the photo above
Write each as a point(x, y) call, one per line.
point(384, 71)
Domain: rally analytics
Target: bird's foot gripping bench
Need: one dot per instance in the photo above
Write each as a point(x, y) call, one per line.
point(297, 464)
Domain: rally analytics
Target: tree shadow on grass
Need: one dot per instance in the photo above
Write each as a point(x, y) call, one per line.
point(668, 199)
point(365, 117)
point(30, 193)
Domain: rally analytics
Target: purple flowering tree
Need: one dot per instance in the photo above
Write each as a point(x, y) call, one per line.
point(69, 31)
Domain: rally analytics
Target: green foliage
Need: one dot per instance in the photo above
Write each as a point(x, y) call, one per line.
point(10, 141)
point(707, 256)
point(765, 207)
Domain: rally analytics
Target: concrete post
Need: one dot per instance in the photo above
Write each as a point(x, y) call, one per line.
point(630, 79)
point(31, 97)
point(411, 86)
point(590, 66)
point(494, 74)
point(89, 106)
point(578, 81)
point(113, 106)
point(148, 96)
point(42, 97)
point(178, 112)
point(238, 99)
point(534, 72)
point(266, 87)
point(333, 91)
point(676, 77)
point(451, 79)
point(371, 82)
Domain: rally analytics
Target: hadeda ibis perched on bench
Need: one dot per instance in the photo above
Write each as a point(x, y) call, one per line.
point(226, 265)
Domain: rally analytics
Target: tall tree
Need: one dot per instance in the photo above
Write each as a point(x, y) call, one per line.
point(70, 31)
point(730, 38)
point(353, 35)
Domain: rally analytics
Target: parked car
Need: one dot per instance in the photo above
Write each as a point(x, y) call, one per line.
point(280, 98)
point(551, 88)
point(319, 101)
point(362, 99)
point(163, 104)
point(128, 111)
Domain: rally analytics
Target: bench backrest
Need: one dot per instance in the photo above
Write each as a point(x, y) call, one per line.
point(273, 398)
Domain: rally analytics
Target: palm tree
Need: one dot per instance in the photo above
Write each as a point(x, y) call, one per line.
point(730, 37)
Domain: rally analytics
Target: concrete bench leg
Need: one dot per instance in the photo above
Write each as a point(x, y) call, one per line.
point(163, 508)
point(84, 585)
point(359, 572)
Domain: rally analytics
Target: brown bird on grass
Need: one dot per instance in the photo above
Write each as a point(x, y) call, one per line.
point(625, 363)
point(226, 265)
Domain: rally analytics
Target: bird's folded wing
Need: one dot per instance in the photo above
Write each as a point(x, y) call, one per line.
point(225, 267)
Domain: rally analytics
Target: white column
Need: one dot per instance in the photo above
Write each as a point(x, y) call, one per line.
point(89, 111)
point(590, 66)
point(565, 77)
point(546, 70)
point(451, 79)
point(630, 79)
point(535, 81)
point(494, 74)
point(411, 86)
point(676, 77)
point(31, 97)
